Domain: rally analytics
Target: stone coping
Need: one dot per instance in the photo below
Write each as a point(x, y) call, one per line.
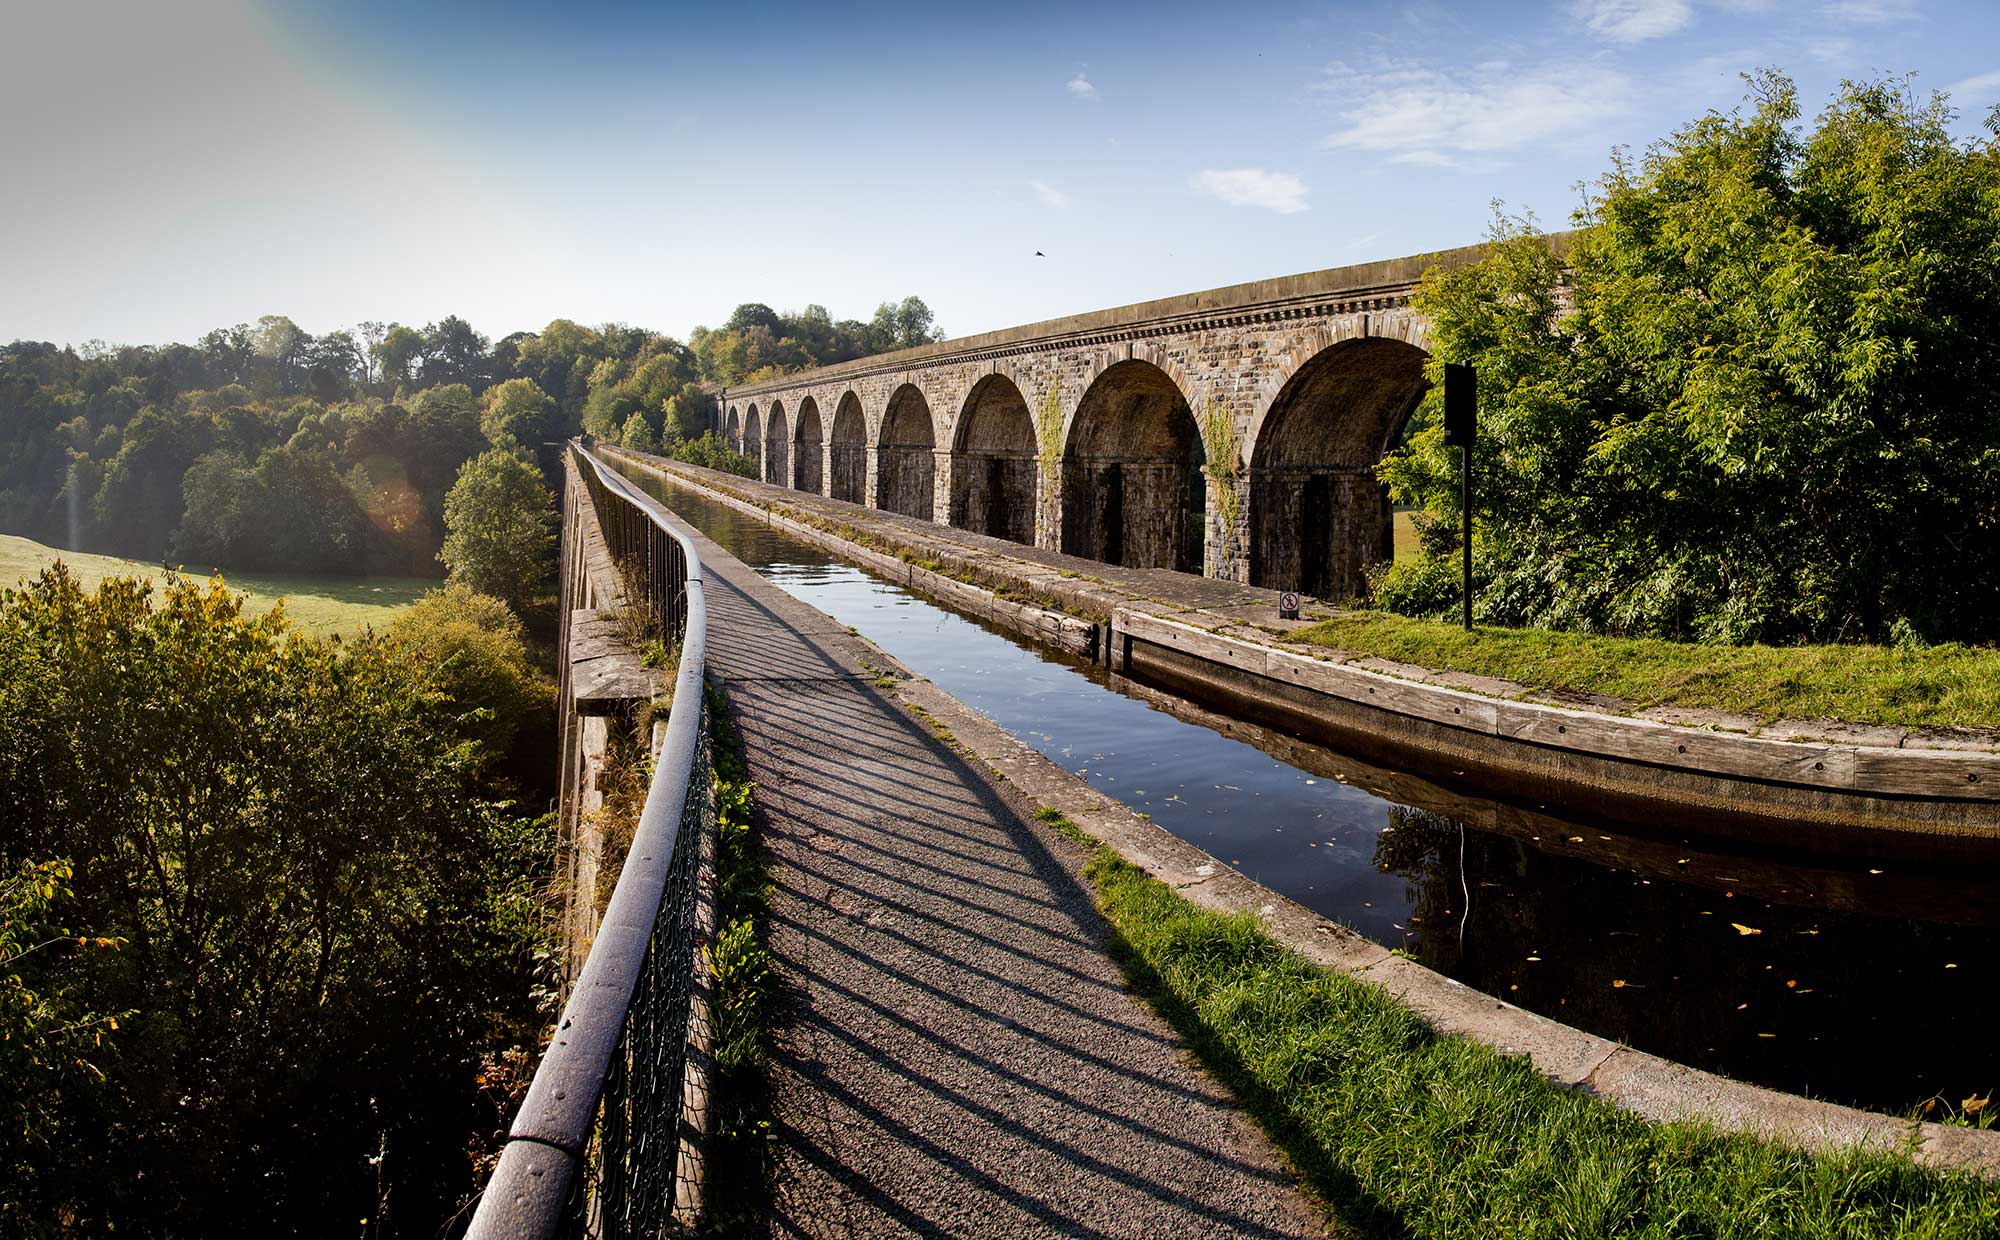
point(1391, 278)
point(1822, 755)
point(1654, 1088)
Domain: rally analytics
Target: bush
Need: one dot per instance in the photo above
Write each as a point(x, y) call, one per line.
point(326, 922)
point(1754, 403)
point(475, 649)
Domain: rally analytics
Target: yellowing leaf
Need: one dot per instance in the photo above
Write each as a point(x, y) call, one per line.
point(1743, 929)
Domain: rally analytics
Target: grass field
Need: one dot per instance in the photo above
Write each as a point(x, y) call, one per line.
point(317, 604)
point(1406, 534)
point(1940, 686)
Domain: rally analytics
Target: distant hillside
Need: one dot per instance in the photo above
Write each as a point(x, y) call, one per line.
point(322, 605)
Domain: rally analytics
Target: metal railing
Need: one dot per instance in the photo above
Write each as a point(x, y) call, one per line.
point(596, 1147)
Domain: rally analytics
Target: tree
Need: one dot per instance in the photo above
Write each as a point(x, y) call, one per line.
point(322, 917)
point(500, 528)
point(453, 353)
point(517, 413)
point(477, 650)
point(1763, 408)
point(396, 355)
point(638, 436)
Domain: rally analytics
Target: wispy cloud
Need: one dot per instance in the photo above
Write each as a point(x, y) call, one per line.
point(1252, 187)
point(1980, 90)
point(1633, 21)
point(1080, 87)
point(1869, 12)
point(1417, 114)
point(1049, 194)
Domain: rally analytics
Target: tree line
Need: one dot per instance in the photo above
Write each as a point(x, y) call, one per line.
point(265, 447)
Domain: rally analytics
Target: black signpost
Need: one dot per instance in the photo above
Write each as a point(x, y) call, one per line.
point(1461, 423)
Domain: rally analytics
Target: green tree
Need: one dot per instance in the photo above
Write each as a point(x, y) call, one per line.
point(517, 413)
point(1762, 404)
point(638, 435)
point(323, 917)
point(476, 649)
point(500, 528)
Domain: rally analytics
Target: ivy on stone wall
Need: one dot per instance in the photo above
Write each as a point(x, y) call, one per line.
point(1224, 463)
point(1048, 429)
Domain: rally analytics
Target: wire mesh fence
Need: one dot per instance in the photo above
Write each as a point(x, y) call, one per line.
point(600, 1147)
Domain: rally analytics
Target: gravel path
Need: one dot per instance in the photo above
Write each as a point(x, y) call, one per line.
point(956, 1055)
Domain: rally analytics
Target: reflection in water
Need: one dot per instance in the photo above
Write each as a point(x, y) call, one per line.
point(1764, 968)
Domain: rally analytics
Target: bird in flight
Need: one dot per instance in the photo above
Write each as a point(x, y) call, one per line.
point(1039, 254)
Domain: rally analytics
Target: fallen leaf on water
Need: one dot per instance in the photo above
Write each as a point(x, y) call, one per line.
point(1767, 1035)
point(1874, 871)
point(1808, 990)
point(1576, 839)
point(1791, 983)
point(1951, 966)
point(1682, 861)
point(1741, 1006)
point(1535, 958)
point(1743, 929)
point(1617, 983)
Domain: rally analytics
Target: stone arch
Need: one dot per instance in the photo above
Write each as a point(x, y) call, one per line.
point(732, 430)
point(905, 455)
point(993, 462)
point(806, 452)
point(777, 447)
point(1132, 487)
point(753, 439)
point(1318, 515)
point(847, 451)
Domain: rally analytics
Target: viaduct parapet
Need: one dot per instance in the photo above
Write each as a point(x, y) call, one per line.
point(1233, 432)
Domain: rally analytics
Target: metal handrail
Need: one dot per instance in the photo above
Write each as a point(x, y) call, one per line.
point(538, 1188)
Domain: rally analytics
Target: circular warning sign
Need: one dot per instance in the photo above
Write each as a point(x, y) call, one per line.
point(1288, 605)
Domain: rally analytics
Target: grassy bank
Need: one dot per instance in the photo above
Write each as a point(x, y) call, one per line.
point(1940, 686)
point(1406, 1132)
point(320, 605)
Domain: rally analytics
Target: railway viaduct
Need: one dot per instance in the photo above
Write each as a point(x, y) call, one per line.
point(1232, 432)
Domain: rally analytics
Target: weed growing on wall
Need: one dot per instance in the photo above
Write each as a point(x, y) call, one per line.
point(1225, 462)
point(1048, 429)
point(738, 1187)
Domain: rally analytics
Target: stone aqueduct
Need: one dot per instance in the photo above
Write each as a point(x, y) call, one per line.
point(1094, 435)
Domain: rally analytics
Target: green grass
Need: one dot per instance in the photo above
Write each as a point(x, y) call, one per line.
point(1405, 1132)
point(320, 605)
point(1939, 686)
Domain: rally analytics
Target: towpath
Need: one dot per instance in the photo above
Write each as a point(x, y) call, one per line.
point(956, 1054)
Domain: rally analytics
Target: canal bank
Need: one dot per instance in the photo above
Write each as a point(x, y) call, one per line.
point(1597, 1059)
point(1864, 792)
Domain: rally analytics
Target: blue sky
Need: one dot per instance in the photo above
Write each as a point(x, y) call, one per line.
point(173, 168)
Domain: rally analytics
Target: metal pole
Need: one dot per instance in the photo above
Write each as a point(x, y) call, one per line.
point(1465, 533)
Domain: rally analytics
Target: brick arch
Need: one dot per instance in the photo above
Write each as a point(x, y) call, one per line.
point(905, 453)
point(753, 438)
point(994, 461)
point(808, 446)
point(777, 446)
point(1317, 516)
point(1104, 358)
point(1132, 486)
point(847, 441)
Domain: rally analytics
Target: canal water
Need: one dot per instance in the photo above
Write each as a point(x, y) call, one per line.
point(1870, 985)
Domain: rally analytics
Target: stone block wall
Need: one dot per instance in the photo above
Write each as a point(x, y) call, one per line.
point(1226, 351)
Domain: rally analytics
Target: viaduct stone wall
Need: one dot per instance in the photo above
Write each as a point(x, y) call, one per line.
point(1232, 432)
